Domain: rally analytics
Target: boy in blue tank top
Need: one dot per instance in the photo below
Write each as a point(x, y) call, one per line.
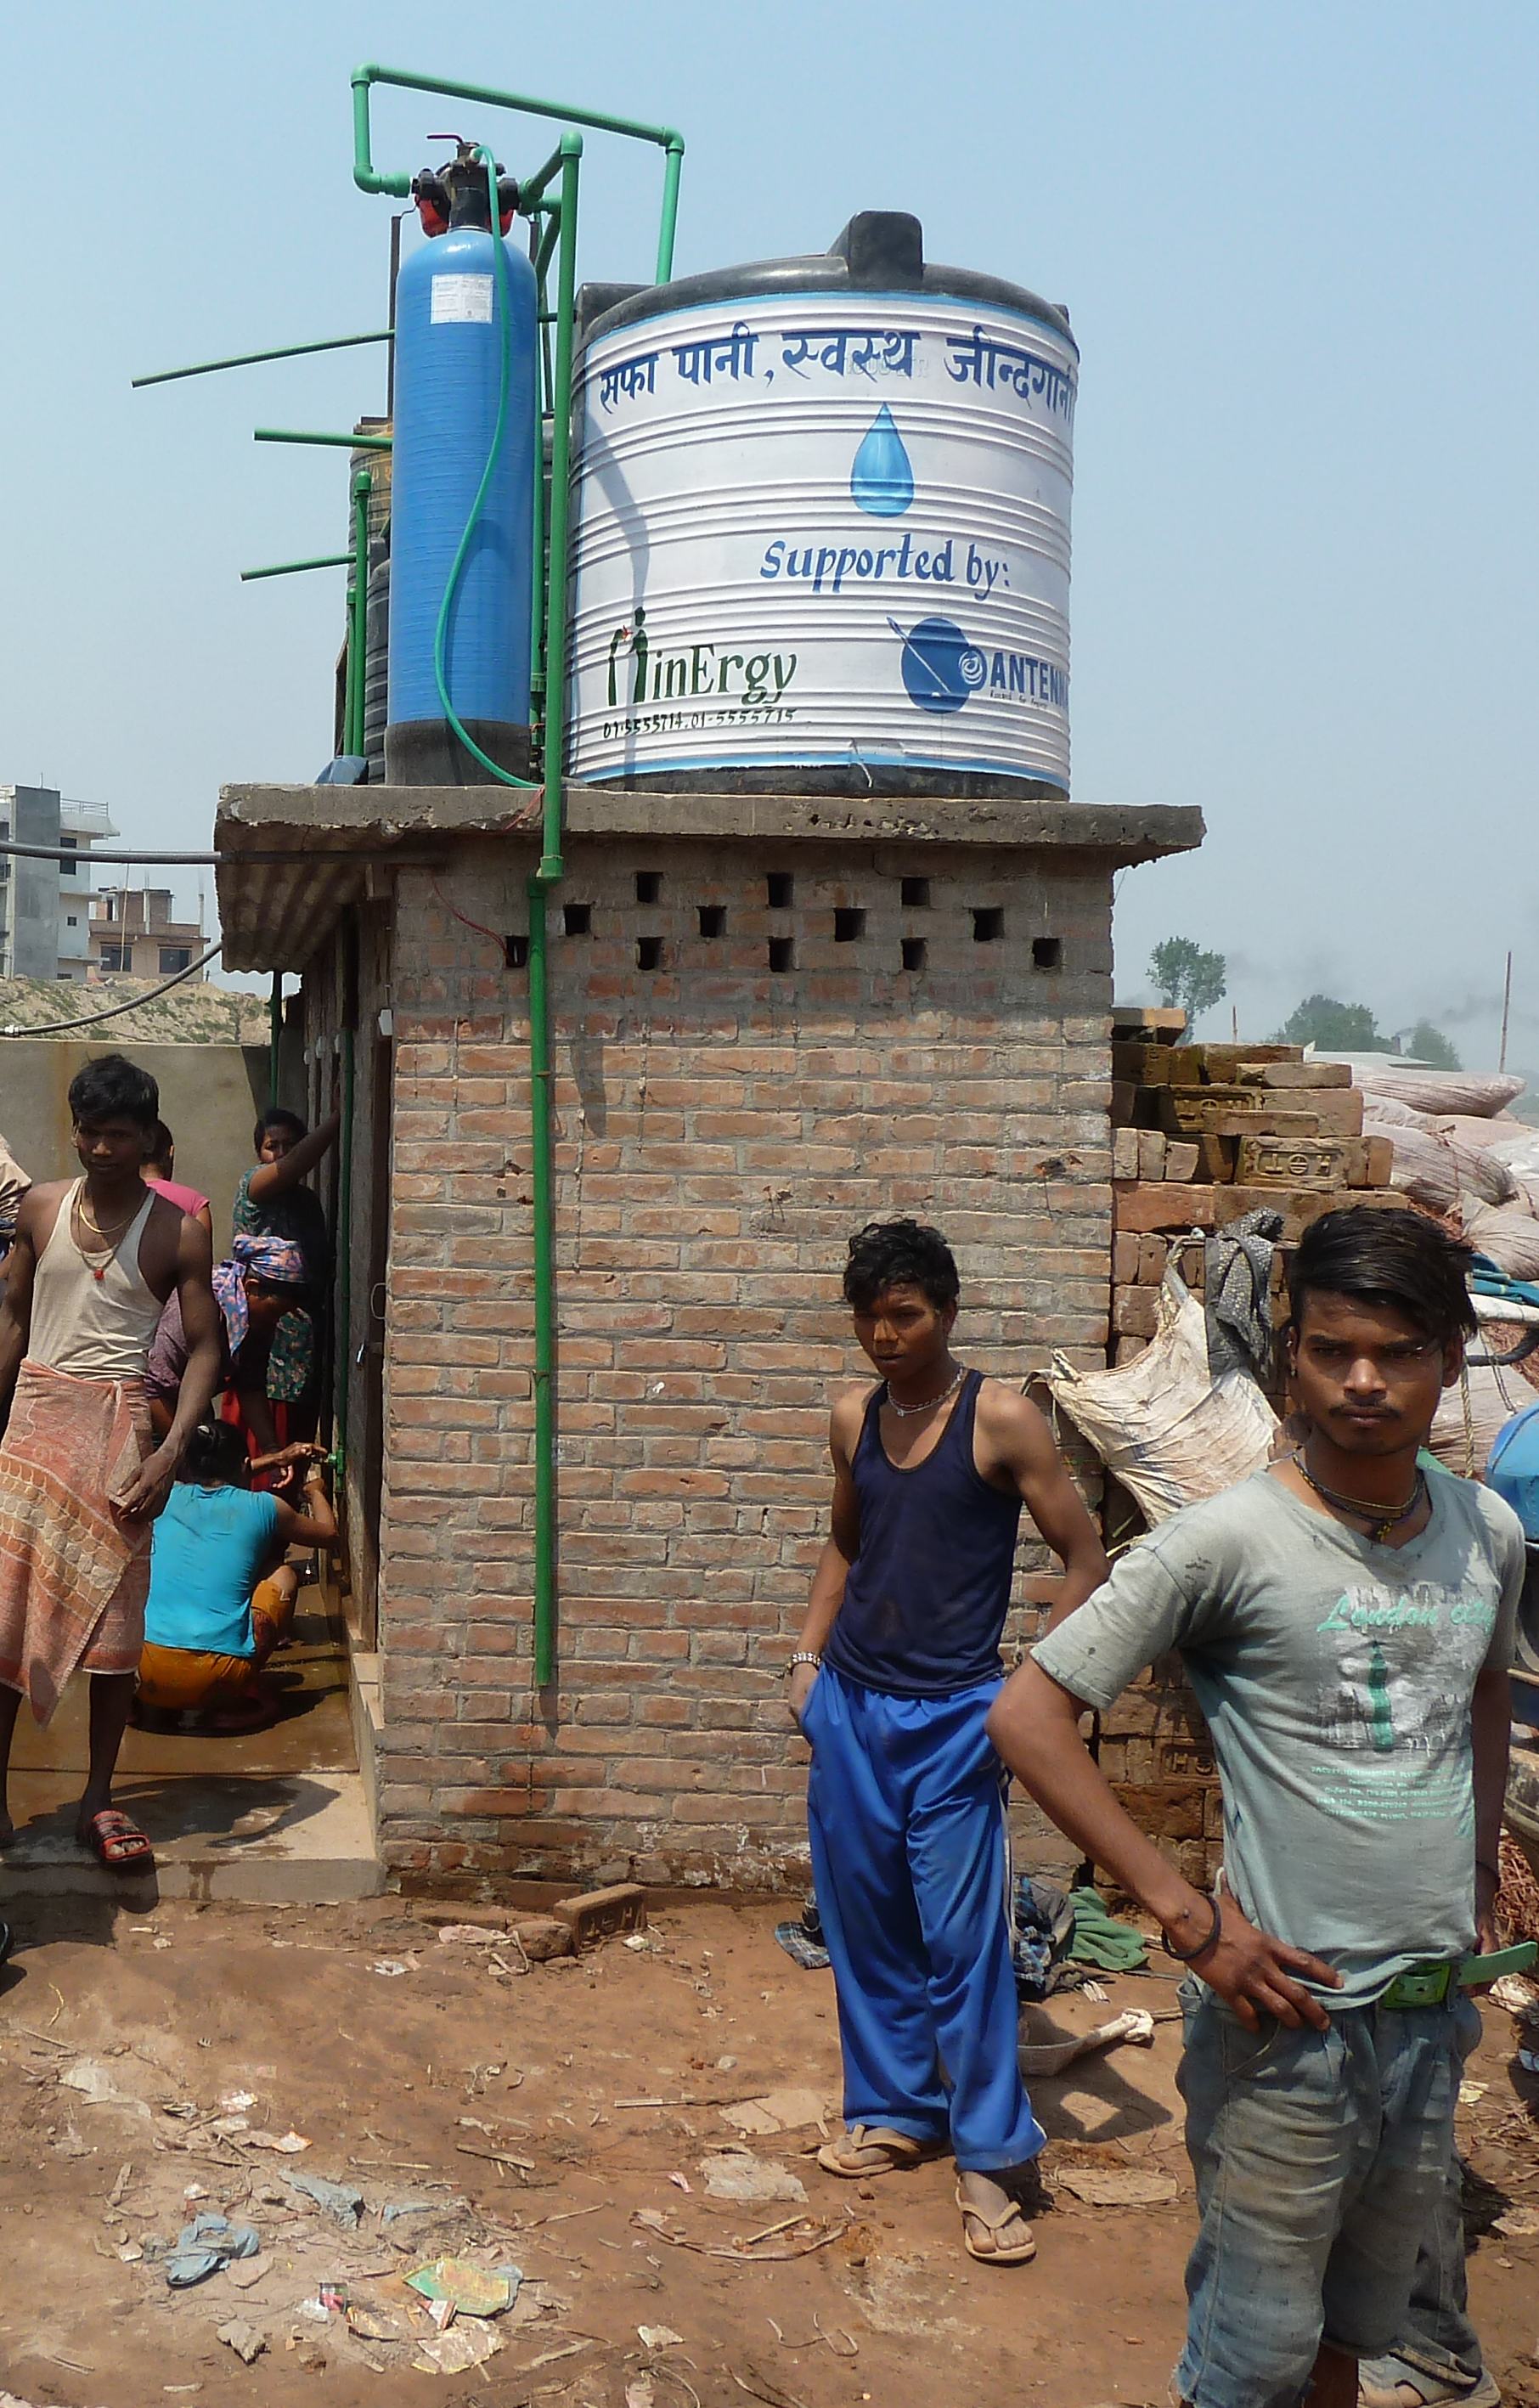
point(895, 1670)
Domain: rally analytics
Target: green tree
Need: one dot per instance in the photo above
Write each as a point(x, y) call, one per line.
point(1429, 1044)
point(1186, 975)
point(1338, 1027)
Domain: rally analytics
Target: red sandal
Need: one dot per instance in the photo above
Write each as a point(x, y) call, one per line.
point(117, 1842)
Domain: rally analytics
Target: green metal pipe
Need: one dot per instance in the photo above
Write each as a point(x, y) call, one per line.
point(252, 359)
point(343, 1341)
point(551, 870)
point(357, 644)
point(367, 178)
point(673, 163)
point(296, 568)
point(274, 1034)
point(335, 442)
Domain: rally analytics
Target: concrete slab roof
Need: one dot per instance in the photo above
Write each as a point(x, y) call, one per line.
point(293, 859)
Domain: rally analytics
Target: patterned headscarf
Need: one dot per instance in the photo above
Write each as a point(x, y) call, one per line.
point(274, 1260)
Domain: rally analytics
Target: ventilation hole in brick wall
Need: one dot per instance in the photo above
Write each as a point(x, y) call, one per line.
point(649, 952)
point(849, 927)
point(1046, 953)
point(577, 919)
point(780, 890)
point(649, 886)
point(987, 923)
point(915, 893)
point(712, 918)
point(515, 953)
point(913, 952)
point(783, 954)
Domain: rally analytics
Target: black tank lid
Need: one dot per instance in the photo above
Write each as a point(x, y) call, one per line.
point(880, 250)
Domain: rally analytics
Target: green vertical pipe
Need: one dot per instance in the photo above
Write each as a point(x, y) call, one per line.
point(673, 159)
point(542, 1185)
point(275, 1034)
point(343, 1341)
point(550, 869)
point(357, 640)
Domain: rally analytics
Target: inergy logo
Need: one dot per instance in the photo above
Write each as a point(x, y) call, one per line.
point(641, 671)
point(941, 669)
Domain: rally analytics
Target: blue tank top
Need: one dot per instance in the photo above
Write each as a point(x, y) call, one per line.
point(926, 1599)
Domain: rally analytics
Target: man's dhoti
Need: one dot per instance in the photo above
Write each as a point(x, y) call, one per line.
point(74, 1573)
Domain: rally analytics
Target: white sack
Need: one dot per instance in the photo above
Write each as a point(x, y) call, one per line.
point(1166, 1430)
point(1509, 1233)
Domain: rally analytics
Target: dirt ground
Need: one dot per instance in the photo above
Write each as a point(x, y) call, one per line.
point(565, 2120)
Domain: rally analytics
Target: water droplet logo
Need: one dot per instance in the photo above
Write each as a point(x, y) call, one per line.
point(941, 668)
point(881, 478)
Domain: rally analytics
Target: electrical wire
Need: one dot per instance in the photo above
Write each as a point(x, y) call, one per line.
point(456, 913)
point(92, 1019)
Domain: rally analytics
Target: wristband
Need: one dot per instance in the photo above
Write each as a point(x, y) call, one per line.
point(1186, 1955)
point(803, 1656)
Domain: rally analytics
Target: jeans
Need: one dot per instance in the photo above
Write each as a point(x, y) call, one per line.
point(1321, 2161)
point(1438, 2337)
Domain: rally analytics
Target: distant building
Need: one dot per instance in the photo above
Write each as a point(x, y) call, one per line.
point(133, 932)
point(45, 906)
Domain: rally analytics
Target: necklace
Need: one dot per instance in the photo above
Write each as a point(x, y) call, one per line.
point(1384, 1519)
point(99, 1269)
point(903, 1412)
point(90, 1220)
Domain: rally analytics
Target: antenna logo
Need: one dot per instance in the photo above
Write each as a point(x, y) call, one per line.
point(941, 669)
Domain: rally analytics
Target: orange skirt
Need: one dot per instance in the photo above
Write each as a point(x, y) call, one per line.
point(189, 1680)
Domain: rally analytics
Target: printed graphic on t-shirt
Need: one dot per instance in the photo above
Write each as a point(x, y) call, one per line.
point(1395, 1702)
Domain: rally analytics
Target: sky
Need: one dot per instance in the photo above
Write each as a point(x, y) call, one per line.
point(1298, 245)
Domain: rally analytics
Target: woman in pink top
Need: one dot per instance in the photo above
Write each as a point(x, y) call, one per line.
point(157, 1173)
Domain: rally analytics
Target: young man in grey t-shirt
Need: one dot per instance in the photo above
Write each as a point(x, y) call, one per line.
point(1347, 1626)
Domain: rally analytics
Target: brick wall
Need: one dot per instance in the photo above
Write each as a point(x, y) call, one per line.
point(723, 1126)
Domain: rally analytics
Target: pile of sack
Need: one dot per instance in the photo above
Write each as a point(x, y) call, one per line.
point(1461, 1154)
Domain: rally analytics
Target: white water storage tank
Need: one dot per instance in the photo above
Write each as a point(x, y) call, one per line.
point(822, 529)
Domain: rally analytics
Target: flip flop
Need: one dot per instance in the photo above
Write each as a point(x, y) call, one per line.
point(891, 2150)
point(117, 1842)
point(1018, 2253)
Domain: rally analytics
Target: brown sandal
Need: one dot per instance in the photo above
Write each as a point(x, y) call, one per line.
point(885, 2150)
point(1019, 2253)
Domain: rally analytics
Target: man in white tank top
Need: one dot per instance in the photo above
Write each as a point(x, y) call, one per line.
point(82, 1478)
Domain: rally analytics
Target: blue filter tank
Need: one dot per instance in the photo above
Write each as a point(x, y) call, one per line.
point(449, 339)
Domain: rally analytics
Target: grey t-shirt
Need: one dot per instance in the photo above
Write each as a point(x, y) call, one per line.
point(1336, 1677)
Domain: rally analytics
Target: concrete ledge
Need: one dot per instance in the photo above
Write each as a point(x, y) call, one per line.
point(276, 912)
point(295, 1840)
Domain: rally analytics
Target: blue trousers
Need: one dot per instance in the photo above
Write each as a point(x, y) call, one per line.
point(905, 1810)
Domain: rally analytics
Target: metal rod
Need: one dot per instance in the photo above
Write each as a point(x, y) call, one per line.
point(415, 856)
point(274, 1034)
point(285, 569)
point(336, 442)
point(1506, 1013)
point(343, 1342)
point(254, 359)
point(396, 218)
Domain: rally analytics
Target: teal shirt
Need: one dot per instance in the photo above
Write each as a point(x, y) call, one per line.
point(1336, 1677)
point(205, 1559)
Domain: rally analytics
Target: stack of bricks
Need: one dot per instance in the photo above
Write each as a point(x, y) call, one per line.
point(1202, 1134)
point(1205, 1134)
